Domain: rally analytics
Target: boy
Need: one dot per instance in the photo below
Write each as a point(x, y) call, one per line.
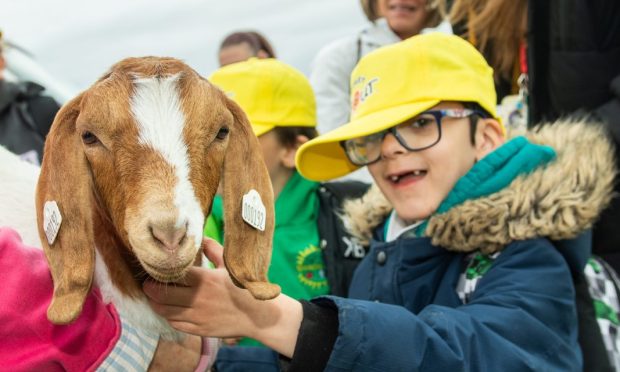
point(280, 105)
point(460, 274)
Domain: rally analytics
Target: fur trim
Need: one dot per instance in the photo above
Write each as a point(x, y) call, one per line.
point(362, 215)
point(558, 201)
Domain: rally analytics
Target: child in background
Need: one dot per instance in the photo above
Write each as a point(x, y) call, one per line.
point(312, 254)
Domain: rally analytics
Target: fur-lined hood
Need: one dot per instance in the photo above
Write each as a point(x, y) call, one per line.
point(558, 201)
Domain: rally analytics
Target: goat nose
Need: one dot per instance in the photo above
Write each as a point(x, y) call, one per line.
point(169, 236)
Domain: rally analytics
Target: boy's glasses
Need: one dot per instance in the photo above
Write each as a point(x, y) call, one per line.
point(416, 134)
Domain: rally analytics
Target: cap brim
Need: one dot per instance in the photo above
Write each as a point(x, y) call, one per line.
point(260, 129)
point(323, 158)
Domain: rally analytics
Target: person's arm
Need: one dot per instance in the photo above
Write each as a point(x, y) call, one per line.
point(521, 316)
point(330, 79)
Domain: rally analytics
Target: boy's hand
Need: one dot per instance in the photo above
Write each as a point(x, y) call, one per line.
point(208, 304)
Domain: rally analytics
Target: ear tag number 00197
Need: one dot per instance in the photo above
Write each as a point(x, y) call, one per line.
point(253, 211)
point(51, 220)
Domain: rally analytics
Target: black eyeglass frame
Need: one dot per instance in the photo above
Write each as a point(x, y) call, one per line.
point(438, 114)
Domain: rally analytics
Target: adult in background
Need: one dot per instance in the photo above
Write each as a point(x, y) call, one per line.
point(574, 69)
point(25, 115)
point(390, 21)
point(242, 45)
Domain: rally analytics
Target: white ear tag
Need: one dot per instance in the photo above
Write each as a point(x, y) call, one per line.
point(51, 220)
point(253, 211)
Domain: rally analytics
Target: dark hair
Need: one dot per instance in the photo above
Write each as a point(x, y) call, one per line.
point(473, 120)
point(287, 136)
point(255, 40)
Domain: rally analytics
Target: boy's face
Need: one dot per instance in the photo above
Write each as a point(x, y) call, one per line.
point(417, 182)
point(272, 151)
point(279, 159)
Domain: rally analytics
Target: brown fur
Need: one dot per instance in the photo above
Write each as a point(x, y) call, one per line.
point(102, 190)
point(558, 201)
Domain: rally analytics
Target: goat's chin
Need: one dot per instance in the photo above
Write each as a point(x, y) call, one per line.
point(165, 276)
point(161, 265)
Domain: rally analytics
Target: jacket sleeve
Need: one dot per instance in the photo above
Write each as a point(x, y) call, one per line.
point(330, 78)
point(521, 317)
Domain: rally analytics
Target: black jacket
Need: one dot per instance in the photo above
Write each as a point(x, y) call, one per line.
point(341, 252)
point(25, 117)
point(574, 69)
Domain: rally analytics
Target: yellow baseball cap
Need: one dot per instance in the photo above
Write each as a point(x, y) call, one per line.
point(272, 93)
point(396, 83)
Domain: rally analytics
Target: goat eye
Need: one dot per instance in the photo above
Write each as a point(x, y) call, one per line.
point(88, 138)
point(222, 133)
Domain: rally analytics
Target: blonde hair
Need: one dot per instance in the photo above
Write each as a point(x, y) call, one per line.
point(497, 28)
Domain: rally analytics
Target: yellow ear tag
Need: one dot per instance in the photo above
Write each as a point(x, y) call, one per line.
point(51, 221)
point(253, 210)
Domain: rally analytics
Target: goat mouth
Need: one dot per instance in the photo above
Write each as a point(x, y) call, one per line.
point(166, 274)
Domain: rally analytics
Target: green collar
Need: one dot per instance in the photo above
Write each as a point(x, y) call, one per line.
point(296, 201)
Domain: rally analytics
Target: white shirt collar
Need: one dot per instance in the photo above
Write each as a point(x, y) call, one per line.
point(397, 227)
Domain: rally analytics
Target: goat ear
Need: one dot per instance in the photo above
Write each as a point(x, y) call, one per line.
point(64, 179)
point(247, 251)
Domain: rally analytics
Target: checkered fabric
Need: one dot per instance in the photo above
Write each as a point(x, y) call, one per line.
point(133, 351)
point(477, 265)
point(603, 286)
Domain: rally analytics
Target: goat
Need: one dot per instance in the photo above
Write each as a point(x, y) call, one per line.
point(129, 172)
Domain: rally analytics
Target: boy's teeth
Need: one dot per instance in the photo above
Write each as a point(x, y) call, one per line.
point(417, 172)
point(394, 178)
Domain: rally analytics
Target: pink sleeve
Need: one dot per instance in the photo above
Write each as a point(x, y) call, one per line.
point(29, 341)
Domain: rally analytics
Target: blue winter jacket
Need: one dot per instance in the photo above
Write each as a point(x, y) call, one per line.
point(520, 317)
point(404, 312)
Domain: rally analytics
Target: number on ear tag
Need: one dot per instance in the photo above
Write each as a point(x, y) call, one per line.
point(51, 220)
point(253, 211)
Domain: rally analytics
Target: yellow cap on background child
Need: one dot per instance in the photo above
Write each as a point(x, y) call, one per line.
point(272, 93)
point(396, 83)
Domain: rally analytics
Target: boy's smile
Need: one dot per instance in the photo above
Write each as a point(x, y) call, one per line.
point(417, 182)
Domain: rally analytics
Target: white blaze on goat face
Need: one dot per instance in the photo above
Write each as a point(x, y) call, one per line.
point(156, 107)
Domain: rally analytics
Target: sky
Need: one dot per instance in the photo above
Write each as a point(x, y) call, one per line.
point(78, 40)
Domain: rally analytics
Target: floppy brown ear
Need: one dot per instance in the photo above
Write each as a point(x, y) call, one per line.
point(65, 179)
point(247, 250)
